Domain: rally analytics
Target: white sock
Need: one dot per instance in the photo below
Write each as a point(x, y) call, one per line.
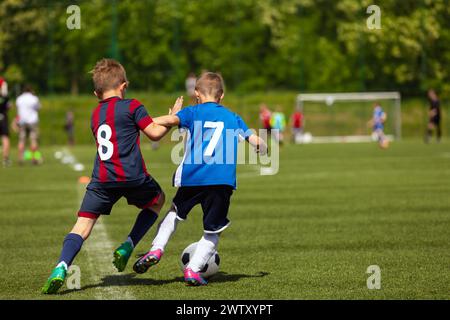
point(63, 264)
point(165, 230)
point(205, 249)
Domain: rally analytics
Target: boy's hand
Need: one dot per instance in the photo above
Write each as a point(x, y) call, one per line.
point(261, 149)
point(177, 106)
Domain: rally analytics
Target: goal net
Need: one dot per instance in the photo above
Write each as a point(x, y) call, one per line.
point(345, 117)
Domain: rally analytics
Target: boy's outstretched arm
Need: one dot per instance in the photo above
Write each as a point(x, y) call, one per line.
point(167, 121)
point(258, 143)
point(155, 132)
point(171, 119)
point(158, 128)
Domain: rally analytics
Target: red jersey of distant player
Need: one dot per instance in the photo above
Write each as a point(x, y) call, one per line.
point(297, 120)
point(264, 116)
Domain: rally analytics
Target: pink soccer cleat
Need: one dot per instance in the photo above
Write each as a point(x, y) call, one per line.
point(193, 278)
point(149, 259)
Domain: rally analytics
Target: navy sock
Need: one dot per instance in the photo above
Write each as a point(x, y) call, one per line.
point(144, 221)
point(71, 246)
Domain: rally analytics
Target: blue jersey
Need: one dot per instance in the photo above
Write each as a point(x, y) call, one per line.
point(116, 124)
point(378, 115)
point(278, 121)
point(212, 135)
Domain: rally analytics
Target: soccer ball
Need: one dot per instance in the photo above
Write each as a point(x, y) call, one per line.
point(307, 137)
point(329, 101)
point(211, 267)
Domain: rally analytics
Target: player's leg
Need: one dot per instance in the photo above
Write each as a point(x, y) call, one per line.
point(384, 142)
point(71, 135)
point(71, 246)
point(4, 134)
point(206, 247)
point(165, 230)
point(185, 199)
point(144, 221)
point(438, 130)
point(150, 198)
point(36, 156)
point(429, 132)
point(96, 201)
point(5, 150)
point(215, 205)
point(21, 143)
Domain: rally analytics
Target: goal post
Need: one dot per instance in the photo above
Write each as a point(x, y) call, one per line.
point(343, 117)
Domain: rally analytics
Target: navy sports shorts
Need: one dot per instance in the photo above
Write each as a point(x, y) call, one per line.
point(215, 202)
point(4, 125)
point(100, 200)
point(435, 120)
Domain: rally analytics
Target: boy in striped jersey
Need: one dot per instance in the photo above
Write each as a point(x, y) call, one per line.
point(119, 169)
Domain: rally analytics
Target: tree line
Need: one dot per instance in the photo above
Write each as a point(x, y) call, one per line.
point(305, 45)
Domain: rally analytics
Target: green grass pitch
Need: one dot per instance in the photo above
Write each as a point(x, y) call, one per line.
point(309, 232)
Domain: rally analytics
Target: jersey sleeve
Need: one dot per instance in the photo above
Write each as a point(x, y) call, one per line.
point(185, 116)
point(140, 115)
point(245, 131)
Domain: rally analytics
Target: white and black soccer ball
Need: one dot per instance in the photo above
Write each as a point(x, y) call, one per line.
point(211, 267)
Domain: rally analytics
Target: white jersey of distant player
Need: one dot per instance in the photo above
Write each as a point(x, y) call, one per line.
point(190, 85)
point(4, 89)
point(27, 108)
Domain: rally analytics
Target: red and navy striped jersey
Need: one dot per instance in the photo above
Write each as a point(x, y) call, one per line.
point(116, 125)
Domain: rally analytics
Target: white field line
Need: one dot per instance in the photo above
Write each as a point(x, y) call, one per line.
point(99, 249)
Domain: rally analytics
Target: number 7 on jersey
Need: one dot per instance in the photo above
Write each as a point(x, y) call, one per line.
point(218, 128)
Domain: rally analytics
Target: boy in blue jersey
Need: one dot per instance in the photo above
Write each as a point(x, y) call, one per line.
point(119, 169)
point(379, 118)
point(207, 174)
point(278, 122)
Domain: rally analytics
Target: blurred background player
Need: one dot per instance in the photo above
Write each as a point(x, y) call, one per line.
point(190, 82)
point(434, 117)
point(297, 125)
point(4, 124)
point(28, 106)
point(264, 116)
point(377, 122)
point(278, 122)
point(206, 182)
point(69, 127)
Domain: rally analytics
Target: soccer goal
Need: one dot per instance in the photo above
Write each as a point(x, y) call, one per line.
point(344, 117)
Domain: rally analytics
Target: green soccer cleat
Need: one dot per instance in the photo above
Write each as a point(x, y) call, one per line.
point(121, 256)
point(55, 281)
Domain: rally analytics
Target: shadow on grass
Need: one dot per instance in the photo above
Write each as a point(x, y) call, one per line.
point(226, 277)
point(132, 280)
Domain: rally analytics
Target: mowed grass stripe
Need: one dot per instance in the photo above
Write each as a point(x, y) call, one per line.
point(99, 255)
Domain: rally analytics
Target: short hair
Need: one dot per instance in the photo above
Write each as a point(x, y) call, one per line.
point(210, 84)
point(27, 88)
point(108, 74)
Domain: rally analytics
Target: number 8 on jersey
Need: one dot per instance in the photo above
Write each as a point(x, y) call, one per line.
point(105, 146)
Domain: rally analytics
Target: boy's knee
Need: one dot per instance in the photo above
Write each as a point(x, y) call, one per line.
point(162, 198)
point(157, 206)
point(84, 226)
point(161, 201)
